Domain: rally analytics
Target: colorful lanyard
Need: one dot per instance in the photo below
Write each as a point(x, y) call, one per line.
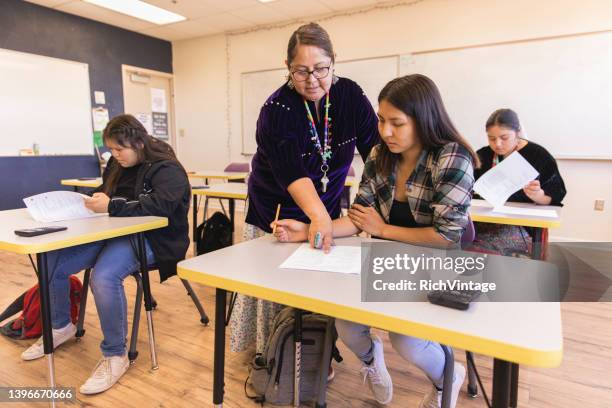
point(325, 150)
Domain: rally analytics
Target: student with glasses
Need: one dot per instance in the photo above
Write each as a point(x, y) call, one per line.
point(306, 136)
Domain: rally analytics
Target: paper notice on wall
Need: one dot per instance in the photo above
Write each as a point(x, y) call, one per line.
point(158, 100)
point(160, 125)
point(146, 120)
point(100, 118)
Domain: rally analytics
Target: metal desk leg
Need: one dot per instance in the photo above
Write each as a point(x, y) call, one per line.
point(514, 378)
point(146, 286)
point(449, 375)
point(536, 249)
point(45, 311)
point(501, 383)
point(219, 359)
point(194, 227)
point(232, 211)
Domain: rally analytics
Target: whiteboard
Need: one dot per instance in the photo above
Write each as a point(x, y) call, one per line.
point(561, 89)
point(371, 74)
point(46, 101)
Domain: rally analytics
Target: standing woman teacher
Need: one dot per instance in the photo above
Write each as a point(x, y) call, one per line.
point(306, 135)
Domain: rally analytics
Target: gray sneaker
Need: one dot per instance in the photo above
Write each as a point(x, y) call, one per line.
point(377, 375)
point(434, 398)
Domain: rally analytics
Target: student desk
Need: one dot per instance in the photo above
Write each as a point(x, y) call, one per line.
point(229, 191)
point(217, 175)
point(517, 332)
point(76, 183)
point(81, 231)
point(481, 211)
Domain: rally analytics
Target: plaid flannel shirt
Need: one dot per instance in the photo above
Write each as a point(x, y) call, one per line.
point(438, 190)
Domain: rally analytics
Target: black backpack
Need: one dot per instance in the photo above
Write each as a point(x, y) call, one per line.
point(214, 233)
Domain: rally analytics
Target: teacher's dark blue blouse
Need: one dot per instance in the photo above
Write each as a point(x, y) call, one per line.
point(285, 152)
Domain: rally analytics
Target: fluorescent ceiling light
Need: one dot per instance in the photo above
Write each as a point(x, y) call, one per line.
point(140, 9)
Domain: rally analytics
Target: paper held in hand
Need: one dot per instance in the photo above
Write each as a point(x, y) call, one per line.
point(509, 176)
point(58, 206)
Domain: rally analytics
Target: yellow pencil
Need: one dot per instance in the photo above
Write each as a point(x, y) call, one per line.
point(276, 219)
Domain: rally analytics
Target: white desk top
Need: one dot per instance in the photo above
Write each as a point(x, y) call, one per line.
point(224, 190)
point(481, 211)
point(79, 231)
point(525, 333)
point(218, 174)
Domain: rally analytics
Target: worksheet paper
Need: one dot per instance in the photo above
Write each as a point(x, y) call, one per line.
point(58, 206)
point(509, 176)
point(538, 212)
point(341, 259)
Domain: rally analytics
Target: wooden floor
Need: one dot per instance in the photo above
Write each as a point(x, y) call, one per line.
point(185, 354)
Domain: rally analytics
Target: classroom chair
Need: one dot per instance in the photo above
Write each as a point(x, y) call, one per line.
point(149, 306)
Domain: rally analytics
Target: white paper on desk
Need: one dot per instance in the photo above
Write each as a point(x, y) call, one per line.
point(538, 212)
point(58, 206)
point(341, 259)
point(510, 175)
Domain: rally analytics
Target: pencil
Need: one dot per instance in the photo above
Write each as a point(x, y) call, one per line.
point(276, 219)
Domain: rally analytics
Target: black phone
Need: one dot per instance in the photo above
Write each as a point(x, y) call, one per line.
point(32, 232)
point(199, 187)
point(87, 178)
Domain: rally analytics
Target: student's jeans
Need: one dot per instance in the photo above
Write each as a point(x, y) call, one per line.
point(425, 354)
point(112, 261)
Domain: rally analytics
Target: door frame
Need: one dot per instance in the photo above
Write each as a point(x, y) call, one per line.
point(126, 69)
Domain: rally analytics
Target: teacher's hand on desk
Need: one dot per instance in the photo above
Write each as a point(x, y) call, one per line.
point(97, 203)
point(323, 226)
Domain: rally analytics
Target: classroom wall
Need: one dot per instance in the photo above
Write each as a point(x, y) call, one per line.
point(39, 30)
point(208, 87)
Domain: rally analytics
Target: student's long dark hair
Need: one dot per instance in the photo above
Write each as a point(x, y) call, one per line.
point(127, 131)
point(419, 98)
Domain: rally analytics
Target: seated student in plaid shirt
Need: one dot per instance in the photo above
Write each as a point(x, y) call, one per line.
point(415, 188)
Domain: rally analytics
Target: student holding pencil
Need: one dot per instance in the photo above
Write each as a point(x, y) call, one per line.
point(416, 188)
point(142, 178)
point(505, 136)
point(307, 133)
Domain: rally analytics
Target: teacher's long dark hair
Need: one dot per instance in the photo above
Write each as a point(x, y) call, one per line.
point(127, 131)
point(419, 98)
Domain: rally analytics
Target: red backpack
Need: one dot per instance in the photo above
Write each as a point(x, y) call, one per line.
point(29, 324)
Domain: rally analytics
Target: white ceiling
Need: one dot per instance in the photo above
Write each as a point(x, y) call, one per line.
point(206, 17)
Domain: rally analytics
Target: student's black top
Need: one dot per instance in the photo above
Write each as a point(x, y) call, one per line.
point(158, 189)
point(550, 178)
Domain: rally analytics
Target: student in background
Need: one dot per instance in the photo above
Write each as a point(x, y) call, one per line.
point(416, 188)
point(505, 137)
point(307, 133)
point(142, 178)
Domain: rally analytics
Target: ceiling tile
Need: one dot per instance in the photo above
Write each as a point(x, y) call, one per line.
point(189, 8)
point(224, 22)
point(260, 14)
point(51, 3)
point(104, 15)
point(298, 9)
point(339, 5)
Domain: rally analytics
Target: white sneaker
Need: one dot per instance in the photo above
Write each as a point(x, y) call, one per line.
point(377, 375)
point(108, 371)
point(60, 336)
point(434, 398)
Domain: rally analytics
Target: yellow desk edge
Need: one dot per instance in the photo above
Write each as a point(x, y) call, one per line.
point(80, 183)
point(515, 221)
point(82, 239)
point(216, 194)
point(530, 357)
